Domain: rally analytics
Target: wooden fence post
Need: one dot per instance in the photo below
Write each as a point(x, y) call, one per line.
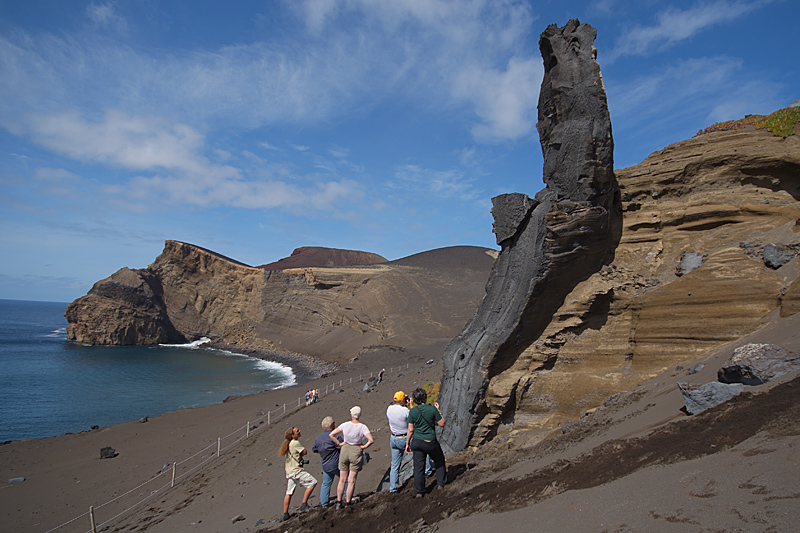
point(91, 518)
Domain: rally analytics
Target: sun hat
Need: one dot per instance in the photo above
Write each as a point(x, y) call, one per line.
point(399, 396)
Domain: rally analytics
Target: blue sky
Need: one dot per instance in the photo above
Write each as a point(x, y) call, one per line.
point(255, 127)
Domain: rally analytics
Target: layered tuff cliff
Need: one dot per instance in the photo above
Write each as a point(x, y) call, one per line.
point(693, 270)
point(190, 292)
point(576, 311)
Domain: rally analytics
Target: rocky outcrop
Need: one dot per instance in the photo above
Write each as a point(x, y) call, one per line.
point(125, 309)
point(707, 254)
point(549, 244)
point(332, 313)
point(317, 256)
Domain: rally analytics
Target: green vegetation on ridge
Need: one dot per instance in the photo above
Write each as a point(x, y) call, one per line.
point(781, 123)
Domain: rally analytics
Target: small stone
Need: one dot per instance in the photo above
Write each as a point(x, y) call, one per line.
point(238, 518)
point(15, 480)
point(695, 369)
point(108, 453)
point(777, 255)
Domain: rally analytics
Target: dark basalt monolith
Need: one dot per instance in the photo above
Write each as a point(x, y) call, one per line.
point(549, 244)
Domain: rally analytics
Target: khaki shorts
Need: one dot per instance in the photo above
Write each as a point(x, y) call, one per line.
point(351, 458)
point(299, 478)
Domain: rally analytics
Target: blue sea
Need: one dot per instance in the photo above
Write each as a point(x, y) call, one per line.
point(51, 386)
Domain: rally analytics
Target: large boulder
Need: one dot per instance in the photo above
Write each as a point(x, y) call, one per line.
point(754, 364)
point(549, 244)
point(709, 395)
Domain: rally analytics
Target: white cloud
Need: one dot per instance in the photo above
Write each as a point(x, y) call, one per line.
point(369, 51)
point(674, 25)
point(505, 101)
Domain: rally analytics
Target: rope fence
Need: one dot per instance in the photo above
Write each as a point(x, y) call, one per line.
point(204, 456)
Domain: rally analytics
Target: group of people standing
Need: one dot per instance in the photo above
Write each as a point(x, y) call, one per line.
point(342, 453)
point(312, 396)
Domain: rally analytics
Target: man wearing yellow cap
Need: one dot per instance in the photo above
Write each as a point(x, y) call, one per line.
point(397, 413)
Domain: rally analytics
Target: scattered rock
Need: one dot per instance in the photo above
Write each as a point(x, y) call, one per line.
point(754, 364)
point(777, 255)
point(238, 518)
point(95, 427)
point(108, 453)
point(15, 480)
point(143, 420)
point(708, 395)
point(695, 369)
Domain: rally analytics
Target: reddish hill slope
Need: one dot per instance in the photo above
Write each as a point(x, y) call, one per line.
point(318, 256)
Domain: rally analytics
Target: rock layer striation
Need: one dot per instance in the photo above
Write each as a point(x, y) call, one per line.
point(189, 292)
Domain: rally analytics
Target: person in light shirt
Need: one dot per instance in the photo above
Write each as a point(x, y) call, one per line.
point(397, 413)
point(293, 451)
point(351, 457)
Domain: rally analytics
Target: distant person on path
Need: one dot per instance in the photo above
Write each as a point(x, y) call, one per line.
point(329, 454)
point(293, 451)
point(421, 440)
point(351, 458)
point(380, 376)
point(397, 413)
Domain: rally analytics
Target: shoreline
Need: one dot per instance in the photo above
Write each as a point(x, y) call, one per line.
point(305, 368)
point(68, 468)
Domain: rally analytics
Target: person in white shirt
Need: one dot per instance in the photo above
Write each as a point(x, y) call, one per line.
point(351, 458)
point(397, 413)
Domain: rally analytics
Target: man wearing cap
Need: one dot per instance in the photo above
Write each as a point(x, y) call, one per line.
point(397, 413)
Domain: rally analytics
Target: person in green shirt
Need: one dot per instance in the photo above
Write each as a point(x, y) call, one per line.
point(293, 451)
point(421, 440)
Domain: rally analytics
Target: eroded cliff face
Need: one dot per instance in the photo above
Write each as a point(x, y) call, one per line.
point(707, 254)
point(189, 292)
point(720, 199)
point(549, 244)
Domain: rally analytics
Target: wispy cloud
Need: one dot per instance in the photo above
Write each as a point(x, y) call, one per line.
point(674, 25)
point(698, 87)
point(441, 184)
point(428, 51)
point(106, 16)
point(505, 101)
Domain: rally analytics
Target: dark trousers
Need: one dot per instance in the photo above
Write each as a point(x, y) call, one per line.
point(421, 450)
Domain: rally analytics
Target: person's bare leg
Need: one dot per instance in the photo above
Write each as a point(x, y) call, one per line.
point(340, 487)
point(307, 493)
point(351, 485)
point(286, 500)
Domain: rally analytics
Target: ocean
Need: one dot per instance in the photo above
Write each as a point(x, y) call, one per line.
point(51, 386)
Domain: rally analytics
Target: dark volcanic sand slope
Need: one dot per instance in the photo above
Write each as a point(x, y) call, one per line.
point(731, 468)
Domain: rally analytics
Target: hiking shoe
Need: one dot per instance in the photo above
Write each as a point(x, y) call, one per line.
point(340, 505)
point(285, 517)
point(419, 495)
point(304, 507)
